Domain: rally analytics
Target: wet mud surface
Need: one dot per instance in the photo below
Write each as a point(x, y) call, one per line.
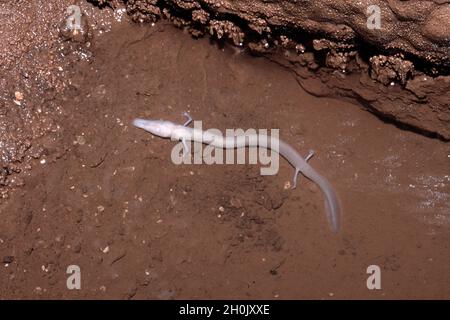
point(105, 196)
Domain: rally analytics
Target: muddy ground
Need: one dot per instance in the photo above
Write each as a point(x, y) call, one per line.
point(105, 196)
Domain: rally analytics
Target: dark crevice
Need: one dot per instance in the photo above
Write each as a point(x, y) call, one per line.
point(391, 120)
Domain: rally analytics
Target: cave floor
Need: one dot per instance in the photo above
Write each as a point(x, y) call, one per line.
point(139, 226)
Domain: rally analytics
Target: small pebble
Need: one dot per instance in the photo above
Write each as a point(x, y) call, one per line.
point(18, 98)
point(81, 140)
point(235, 203)
point(8, 259)
point(18, 95)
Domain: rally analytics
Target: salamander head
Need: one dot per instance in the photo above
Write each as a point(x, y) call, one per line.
point(159, 128)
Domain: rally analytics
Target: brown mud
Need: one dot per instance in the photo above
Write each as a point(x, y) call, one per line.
point(105, 196)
